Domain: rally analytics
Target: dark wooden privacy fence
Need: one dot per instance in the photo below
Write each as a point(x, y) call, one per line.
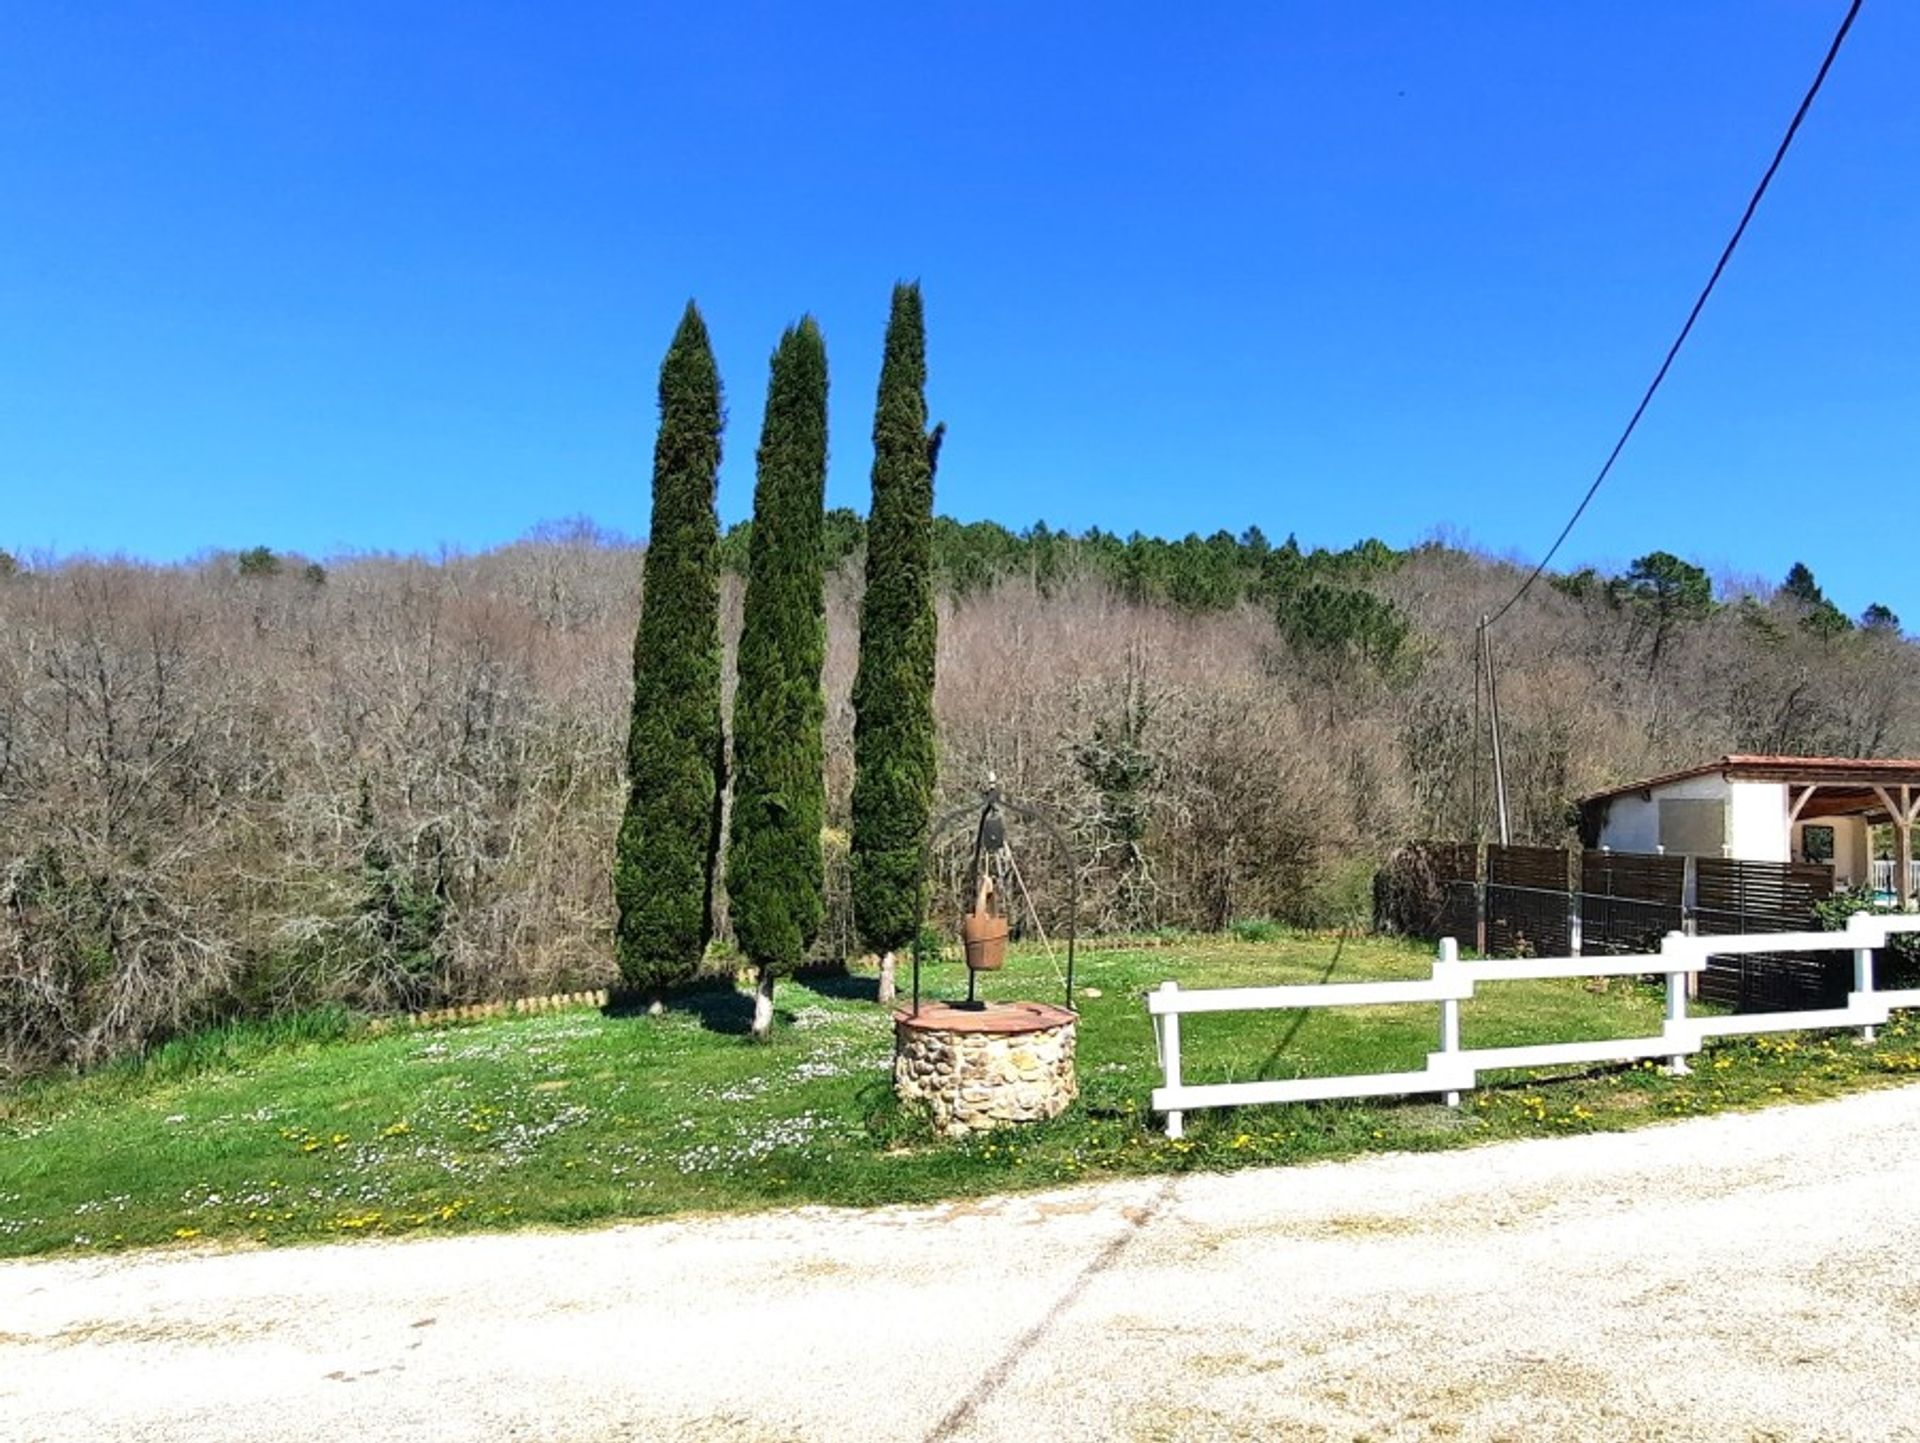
point(1526, 902)
point(1731, 898)
point(1542, 901)
point(1629, 901)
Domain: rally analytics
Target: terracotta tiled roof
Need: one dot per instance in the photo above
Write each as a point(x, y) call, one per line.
point(1760, 767)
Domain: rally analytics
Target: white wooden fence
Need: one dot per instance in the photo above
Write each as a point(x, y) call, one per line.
point(1453, 1069)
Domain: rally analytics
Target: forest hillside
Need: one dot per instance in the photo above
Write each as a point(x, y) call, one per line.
point(257, 782)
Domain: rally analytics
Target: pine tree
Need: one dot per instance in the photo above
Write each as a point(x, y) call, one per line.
point(1668, 592)
point(1801, 586)
point(893, 740)
point(664, 862)
point(776, 884)
point(1817, 614)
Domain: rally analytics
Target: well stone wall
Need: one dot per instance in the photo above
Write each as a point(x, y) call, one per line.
point(975, 1069)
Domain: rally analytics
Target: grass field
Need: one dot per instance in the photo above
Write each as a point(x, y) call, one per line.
point(320, 1128)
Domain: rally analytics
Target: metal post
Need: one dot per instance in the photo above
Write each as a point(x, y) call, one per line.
point(1675, 942)
point(1690, 915)
point(1073, 922)
point(1449, 1008)
point(1480, 900)
point(1170, 1057)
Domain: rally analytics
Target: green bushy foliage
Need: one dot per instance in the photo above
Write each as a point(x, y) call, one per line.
point(259, 561)
point(1900, 961)
point(1256, 929)
point(404, 909)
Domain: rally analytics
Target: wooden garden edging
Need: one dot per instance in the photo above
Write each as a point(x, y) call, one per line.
point(479, 1011)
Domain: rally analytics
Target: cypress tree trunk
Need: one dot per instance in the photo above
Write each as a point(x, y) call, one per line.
point(776, 878)
point(893, 737)
point(665, 856)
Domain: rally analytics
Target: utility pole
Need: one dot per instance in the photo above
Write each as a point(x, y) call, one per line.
point(1493, 707)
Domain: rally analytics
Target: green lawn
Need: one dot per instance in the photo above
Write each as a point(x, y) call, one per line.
point(322, 1128)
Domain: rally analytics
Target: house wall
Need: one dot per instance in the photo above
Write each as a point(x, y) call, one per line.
point(1633, 821)
point(1759, 822)
point(1756, 817)
point(1852, 847)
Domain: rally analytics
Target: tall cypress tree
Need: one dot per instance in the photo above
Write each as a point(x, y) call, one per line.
point(893, 741)
point(776, 884)
point(664, 860)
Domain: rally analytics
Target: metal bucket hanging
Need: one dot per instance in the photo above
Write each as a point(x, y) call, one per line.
point(984, 931)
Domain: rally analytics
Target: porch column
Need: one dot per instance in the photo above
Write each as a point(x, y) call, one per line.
point(1904, 810)
point(1800, 804)
point(1903, 851)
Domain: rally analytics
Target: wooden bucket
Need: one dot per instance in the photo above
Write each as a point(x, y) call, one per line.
point(984, 932)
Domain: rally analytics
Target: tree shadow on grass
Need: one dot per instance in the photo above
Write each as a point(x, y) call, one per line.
point(729, 1013)
point(718, 1007)
point(1293, 1028)
point(841, 988)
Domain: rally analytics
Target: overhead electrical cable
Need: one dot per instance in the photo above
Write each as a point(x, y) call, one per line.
point(1726, 255)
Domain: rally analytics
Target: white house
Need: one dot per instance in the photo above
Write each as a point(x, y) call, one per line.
point(1772, 809)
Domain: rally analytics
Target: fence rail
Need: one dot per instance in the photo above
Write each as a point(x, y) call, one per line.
point(1883, 875)
point(1453, 1069)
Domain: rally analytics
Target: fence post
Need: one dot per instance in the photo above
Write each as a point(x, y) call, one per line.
point(1170, 1056)
point(1862, 970)
point(1449, 1007)
point(1480, 870)
point(1671, 944)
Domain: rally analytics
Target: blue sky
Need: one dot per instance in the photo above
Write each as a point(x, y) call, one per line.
point(393, 276)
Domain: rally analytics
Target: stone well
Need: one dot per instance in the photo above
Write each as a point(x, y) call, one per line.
point(985, 1065)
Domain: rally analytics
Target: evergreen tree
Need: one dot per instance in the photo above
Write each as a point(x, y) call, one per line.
point(259, 561)
point(1342, 622)
point(1668, 592)
point(1880, 619)
point(1801, 586)
point(846, 533)
point(1817, 613)
point(893, 739)
point(776, 884)
point(664, 862)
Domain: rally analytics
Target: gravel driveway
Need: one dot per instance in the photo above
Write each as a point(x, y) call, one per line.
point(1747, 1278)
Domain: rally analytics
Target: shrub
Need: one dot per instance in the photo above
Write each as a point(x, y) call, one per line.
point(1256, 929)
point(1898, 963)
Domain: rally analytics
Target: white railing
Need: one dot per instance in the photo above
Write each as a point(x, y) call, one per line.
point(1883, 875)
point(1453, 1069)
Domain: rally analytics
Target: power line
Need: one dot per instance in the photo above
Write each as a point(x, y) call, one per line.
point(1693, 315)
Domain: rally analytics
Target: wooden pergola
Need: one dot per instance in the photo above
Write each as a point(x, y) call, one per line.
point(1884, 793)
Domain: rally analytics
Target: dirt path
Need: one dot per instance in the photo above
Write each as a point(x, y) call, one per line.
point(1739, 1278)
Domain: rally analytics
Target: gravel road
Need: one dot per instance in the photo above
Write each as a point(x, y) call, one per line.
point(1749, 1278)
